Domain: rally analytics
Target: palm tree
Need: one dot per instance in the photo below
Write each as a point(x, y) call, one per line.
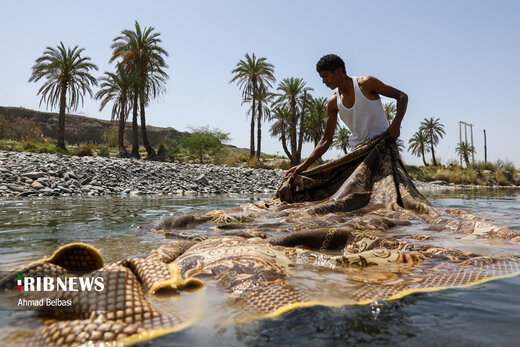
point(433, 130)
point(418, 145)
point(341, 138)
point(252, 75)
point(314, 123)
point(140, 53)
point(281, 116)
point(390, 111)
point(117, 87)
point(294, 97)
point(68, 79)
point(263, 98)
point(465, 149)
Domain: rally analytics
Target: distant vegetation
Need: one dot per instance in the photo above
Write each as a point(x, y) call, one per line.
point(501, 173)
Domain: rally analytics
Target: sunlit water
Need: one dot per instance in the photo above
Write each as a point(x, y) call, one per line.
point(485, 314)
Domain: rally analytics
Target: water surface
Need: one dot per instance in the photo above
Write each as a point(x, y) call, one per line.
point(484, 314)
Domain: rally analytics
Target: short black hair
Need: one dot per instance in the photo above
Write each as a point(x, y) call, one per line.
point(330, 62)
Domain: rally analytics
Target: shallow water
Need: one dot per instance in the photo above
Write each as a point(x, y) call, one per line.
point(485, 314)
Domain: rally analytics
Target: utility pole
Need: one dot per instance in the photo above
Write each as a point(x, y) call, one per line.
point(472, 152)
point(485, 147)
point(466, 125)
point(460, 141)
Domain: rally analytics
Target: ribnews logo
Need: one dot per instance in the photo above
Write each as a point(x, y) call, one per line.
point(49, 291)
point(67, 284)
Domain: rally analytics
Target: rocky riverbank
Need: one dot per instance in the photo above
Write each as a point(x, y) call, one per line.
point(32, 174)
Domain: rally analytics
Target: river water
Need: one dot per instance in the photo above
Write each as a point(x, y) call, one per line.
point(484, 314)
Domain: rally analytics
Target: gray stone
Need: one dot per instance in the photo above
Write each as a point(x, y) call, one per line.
point(16, 188)
point(37, 185)
point(27, 193)
point(34, 175)
point(202, 179)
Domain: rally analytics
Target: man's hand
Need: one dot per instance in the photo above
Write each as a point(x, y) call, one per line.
point(294, 170)
point(393, 131)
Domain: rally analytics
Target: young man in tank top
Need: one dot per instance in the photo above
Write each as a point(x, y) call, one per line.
point(358, 102)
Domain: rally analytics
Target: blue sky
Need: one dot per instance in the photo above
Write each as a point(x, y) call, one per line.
point(456, 60)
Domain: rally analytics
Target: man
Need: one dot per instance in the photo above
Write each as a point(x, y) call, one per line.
point(358, 102)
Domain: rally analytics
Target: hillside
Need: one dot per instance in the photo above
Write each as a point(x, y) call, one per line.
point(82, 129)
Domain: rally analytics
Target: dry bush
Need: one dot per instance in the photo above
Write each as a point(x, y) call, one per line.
point(111, 136)
point(23, 129)
point(501, 178)
point(85, 150)
point(254, 163)
point(104, 152)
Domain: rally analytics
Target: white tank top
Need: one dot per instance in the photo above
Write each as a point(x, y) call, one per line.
point(366, 118)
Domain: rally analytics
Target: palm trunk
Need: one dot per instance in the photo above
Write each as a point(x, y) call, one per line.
point(293, 127)
point(61, 119)
point(433, 152)
point(423, 158)
point(300, 139)
point(121, 133)
point(135, 139)
point(252, 143)
point(284, 143)
point(146, 143)
point(259, 132)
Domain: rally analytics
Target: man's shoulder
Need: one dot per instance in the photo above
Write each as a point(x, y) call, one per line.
point(332, 103)
point(366, 79)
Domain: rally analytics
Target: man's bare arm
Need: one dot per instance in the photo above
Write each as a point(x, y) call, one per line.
point(376, 86)
point(325, 141)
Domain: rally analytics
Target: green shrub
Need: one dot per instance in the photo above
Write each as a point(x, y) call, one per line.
point(46, 147)
point(104, 152)
point(161, 151)
point(111, 136)
point(28, 145)
point(173, 151)
point(482, 165)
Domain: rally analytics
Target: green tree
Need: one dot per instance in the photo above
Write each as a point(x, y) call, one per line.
point(433, 130)
point(141, 54)
point(419, 145)
point(341, 138)
point(253, 75)
point(314, 123)
point(117, 87)
point(465, 149)
point(203, 140)
point(281, 116)
point(68, 78)
point(293, 95)
point(263, 112)
point(390, 111)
